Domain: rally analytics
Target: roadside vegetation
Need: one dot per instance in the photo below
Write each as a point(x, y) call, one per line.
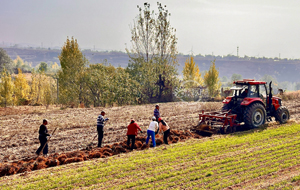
point(266, 158)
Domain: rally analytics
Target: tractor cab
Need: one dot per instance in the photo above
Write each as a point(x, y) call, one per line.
point(251, 103)
point(250, 96)
point(248, 90)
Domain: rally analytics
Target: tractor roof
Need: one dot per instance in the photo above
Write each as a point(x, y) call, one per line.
point(249, 81)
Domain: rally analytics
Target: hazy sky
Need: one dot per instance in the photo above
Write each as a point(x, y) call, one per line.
point(258, 27)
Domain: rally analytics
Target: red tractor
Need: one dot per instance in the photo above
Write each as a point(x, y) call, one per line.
point(250, 104)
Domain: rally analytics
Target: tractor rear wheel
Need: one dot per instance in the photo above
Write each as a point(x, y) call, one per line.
point(282, 114)
point(255, 115)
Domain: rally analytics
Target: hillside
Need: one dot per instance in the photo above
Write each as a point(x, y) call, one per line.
point(248, 67)
point(266, 158)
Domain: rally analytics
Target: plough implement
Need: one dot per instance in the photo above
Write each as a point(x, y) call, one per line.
point(222, 121)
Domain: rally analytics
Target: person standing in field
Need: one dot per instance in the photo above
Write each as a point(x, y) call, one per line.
point(151, 131)
point(164, 127)
point(156, 112)
point(100, 126)
point(132, 130)
point(43, 134)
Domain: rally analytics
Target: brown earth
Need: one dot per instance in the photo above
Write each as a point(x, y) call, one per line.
point(77, 127)
point(19, 131)
point(37, 163)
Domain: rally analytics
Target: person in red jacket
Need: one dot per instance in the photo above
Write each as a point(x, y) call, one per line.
point(133, 128)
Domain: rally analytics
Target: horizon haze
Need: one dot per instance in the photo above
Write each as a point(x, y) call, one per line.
point(259, 28)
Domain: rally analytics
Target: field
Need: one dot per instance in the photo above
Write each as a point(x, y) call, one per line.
point(195, 162)
point(267, 158)
point(77, 127)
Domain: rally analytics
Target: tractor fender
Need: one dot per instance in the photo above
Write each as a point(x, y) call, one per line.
point(227, 100)
point(248, 101)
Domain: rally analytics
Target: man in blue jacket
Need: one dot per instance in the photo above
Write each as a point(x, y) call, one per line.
point(100, 125)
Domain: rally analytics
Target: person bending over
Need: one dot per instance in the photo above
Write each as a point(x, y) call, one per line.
point(132, 130)
point(164, 127)
point(151, 131)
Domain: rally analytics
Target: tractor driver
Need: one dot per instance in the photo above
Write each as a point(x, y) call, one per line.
point(244, 93)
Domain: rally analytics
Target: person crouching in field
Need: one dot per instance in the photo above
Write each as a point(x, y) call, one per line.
point(132, 130)
point(43, 134)
point(151, 131)
point(164, 127)
point(100, 126)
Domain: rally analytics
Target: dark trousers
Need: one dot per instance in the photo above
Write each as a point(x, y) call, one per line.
point(43, 141)
point(166, 134)
point(100, 137)
point(132, 137)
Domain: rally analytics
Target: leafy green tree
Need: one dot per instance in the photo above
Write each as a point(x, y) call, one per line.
point(5, 61)
point(154, 49)
point(212, 80)
point(108, 85)
point(43, 67)
point(6, 89)
point(98, 83)
point(125, 91)
point(71, 88)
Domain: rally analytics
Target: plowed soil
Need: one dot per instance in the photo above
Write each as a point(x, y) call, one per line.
point(37, 163)
point(77, 127)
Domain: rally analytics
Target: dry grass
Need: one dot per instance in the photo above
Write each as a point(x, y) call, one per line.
point(290, 95)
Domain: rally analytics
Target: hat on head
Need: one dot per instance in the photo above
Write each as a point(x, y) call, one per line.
point(102, 111)
point(156, 105)
point(159, 119)
point(45, 120)
point(153, 118)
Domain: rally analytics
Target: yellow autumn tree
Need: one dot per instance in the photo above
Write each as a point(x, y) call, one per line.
point(212, 80)
point(55, 66)
point(191, 71)
point(22, 88)
point(41, 89)
point(18, 62)
point(6, 89)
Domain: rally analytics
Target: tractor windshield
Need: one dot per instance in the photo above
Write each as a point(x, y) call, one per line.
point(240, 90)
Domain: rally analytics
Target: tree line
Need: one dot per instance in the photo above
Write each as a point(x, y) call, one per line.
point(151, 74)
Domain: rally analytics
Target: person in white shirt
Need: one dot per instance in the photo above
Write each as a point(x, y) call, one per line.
point(151, 131)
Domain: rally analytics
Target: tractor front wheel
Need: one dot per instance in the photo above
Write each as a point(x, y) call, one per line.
point(282, 114)
point(255, 115)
